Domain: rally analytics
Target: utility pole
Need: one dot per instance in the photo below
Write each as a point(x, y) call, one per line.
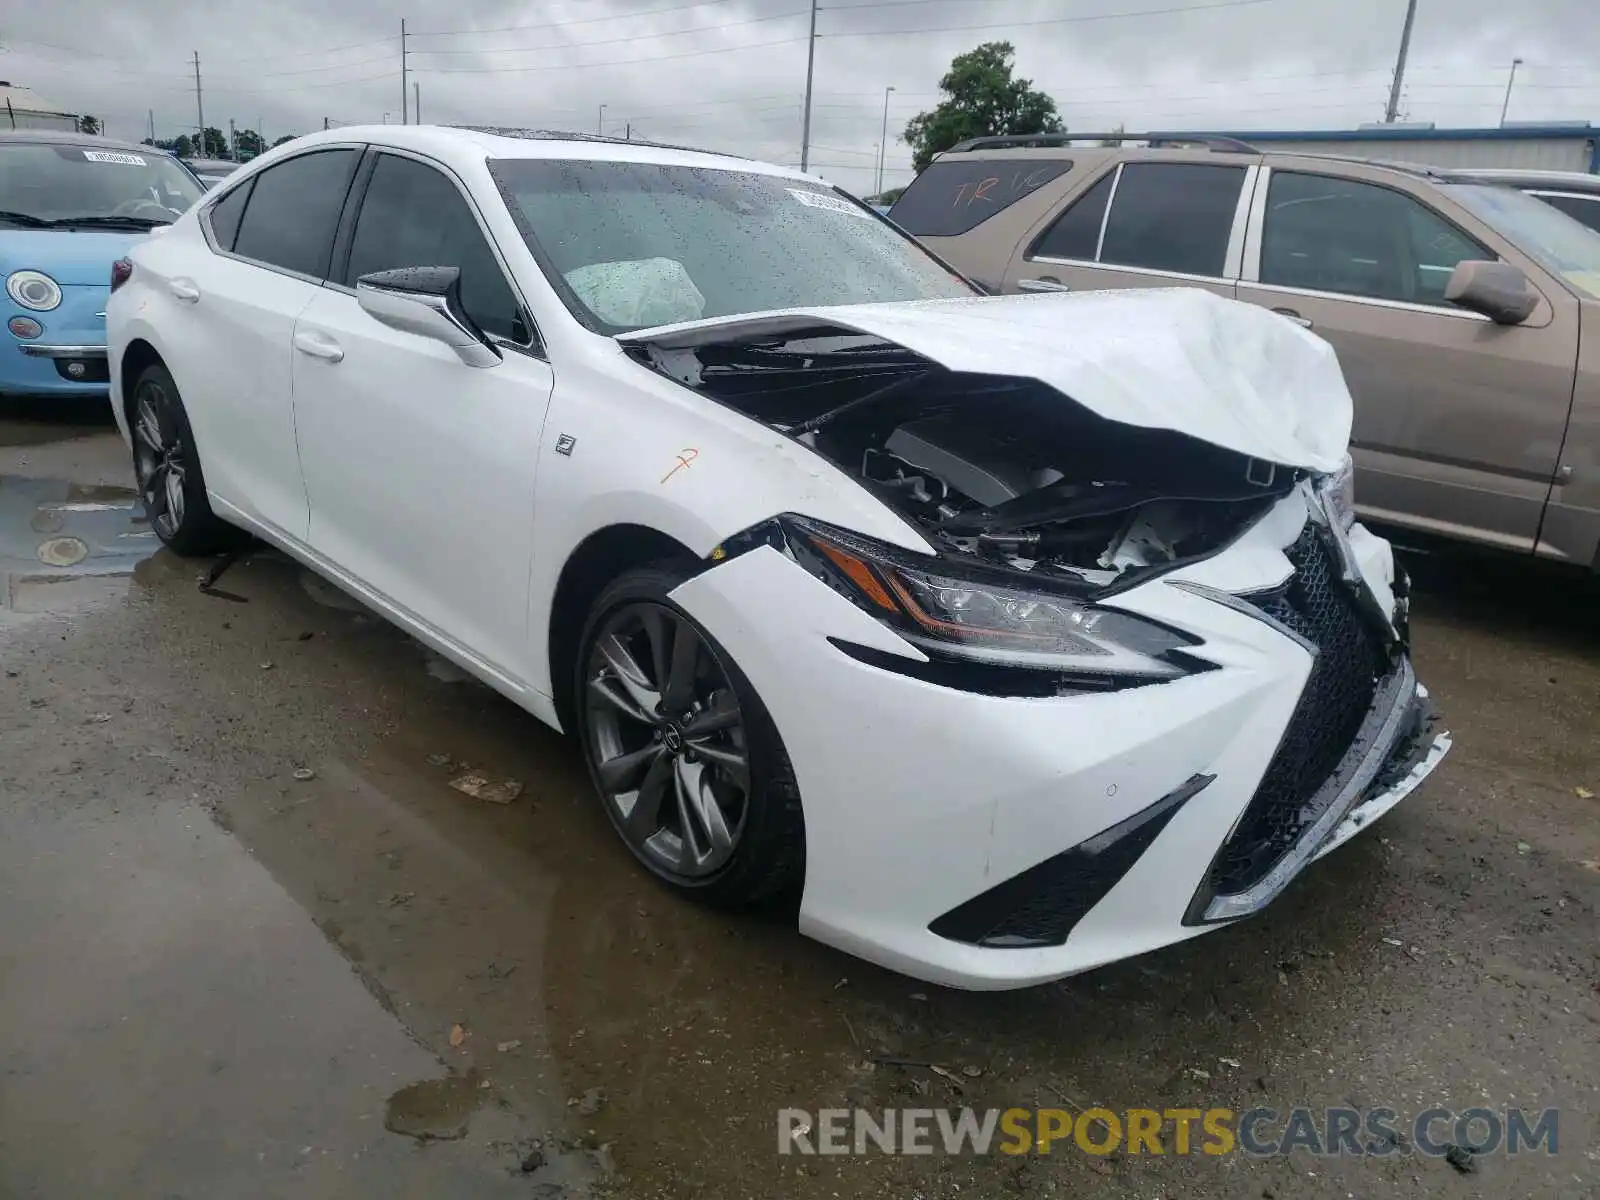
point(199, 107)
point(627, 134)
point(233, 142)
point(883, 140)
point(405, 98)
point(416, 106)
point(811, 70)
point(600, 126)
point(324, 123)
point(152, 125)
point(1506, 107)
point(1400, 64)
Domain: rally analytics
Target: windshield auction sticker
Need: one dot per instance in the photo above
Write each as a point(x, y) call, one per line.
point(111, 156)
point(832, 203)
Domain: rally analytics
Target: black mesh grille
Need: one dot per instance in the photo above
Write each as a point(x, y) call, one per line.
point(1350, 658)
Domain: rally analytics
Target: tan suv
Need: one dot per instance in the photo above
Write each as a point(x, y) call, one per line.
point(1466, 314)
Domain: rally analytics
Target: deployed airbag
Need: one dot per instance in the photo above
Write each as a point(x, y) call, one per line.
point(645, 291)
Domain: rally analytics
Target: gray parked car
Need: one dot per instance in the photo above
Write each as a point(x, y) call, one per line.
point(1466, 314)
point(1574, 193)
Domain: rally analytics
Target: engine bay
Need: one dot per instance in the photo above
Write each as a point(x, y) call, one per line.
point(1001, 468)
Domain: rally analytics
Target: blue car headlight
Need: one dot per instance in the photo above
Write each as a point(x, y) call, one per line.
point(33, 289)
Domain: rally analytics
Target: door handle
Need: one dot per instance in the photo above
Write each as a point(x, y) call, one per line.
point(1045, 283)
point(319, 345)
point(184, 289)
point(1303, 322)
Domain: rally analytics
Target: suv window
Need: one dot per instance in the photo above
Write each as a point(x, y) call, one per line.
point(293, 211)
point(1580, 208)
point(1359, 239)
point(1173, 217)
point(1076, 232)
point(413, 216)
point(225, 213)
point(955, 195)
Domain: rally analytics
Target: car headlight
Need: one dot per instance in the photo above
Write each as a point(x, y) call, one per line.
point(1339, 493)
point(945, 608)
point(33, 289)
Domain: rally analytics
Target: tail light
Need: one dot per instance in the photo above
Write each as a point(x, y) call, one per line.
point(121, 272)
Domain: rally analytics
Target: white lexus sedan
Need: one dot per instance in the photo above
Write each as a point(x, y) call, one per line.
point(1012, 635)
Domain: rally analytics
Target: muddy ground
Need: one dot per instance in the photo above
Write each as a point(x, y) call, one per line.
point(246, 926)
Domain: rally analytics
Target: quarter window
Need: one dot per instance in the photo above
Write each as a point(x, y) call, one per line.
point(293, 212)
point(1076, 232)
point(225, 214)
point(1173, 217)
point(413, 216)
point(1359, 239)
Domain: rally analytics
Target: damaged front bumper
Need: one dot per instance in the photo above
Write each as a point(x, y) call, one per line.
point(995, 841)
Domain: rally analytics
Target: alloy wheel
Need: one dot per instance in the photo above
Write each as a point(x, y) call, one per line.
point(161, 460)
point(667, 740)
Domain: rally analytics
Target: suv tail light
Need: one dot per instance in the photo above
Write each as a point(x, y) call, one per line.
point(121, 272)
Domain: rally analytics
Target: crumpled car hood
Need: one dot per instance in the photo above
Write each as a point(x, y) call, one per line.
point(1183, 359)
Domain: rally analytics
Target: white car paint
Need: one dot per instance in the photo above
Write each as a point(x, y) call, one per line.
point(450, 498)
point(1164, 358)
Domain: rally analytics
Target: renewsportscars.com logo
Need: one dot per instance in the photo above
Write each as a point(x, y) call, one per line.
point(1260, 1132)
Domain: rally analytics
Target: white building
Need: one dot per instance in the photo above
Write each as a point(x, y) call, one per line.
point(21, 108)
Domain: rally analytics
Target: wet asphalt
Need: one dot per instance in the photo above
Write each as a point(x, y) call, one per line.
point(253, 943)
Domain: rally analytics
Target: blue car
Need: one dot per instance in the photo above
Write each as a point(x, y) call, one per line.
point(70, 206)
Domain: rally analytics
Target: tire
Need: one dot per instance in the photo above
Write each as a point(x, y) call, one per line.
point(656, 771)
point(166, 468)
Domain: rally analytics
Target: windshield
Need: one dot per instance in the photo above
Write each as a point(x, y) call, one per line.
point(45, 183)
point(1547, 235)
point(633, 245)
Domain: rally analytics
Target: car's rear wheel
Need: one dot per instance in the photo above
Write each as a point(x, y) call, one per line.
point(687, 761)
point(166, 467)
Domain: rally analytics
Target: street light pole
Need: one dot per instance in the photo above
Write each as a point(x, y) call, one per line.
point(883, 140)
point(600, 125)
point(1392, 110)
point(1506, 107)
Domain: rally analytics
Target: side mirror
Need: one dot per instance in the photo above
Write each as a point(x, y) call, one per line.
point(426, 301)
point(1498, 290)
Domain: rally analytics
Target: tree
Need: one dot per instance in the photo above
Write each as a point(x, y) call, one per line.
point(248, 143)
point(89, 125)
point(183, 146)
point(288, 137)
point(982, 99)
point(214, 144)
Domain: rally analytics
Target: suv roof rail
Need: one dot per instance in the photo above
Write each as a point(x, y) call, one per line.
point(1213, 141)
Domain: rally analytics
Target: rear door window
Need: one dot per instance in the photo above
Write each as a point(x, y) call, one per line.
point(1173, 217)
point(955, 195)
point(1076, 232)
point(293, 212)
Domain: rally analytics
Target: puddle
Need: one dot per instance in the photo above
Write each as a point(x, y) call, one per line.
point(435, 1109)
point(67, 546)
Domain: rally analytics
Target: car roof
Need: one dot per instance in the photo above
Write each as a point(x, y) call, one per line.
point(453, 143)
point(63, 137)
point(1177, 146)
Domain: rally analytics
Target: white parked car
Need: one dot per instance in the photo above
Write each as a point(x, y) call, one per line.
point(1015, 634)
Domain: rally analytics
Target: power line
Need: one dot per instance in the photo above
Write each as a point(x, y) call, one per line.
point(1149, 12)
point(637, 37)
point(610, 18)
point(622, 62)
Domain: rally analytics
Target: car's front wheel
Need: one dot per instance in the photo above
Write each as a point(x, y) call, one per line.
point(687, 761)
point(166, 467)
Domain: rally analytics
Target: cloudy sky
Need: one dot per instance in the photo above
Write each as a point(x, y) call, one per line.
point(730, 74)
